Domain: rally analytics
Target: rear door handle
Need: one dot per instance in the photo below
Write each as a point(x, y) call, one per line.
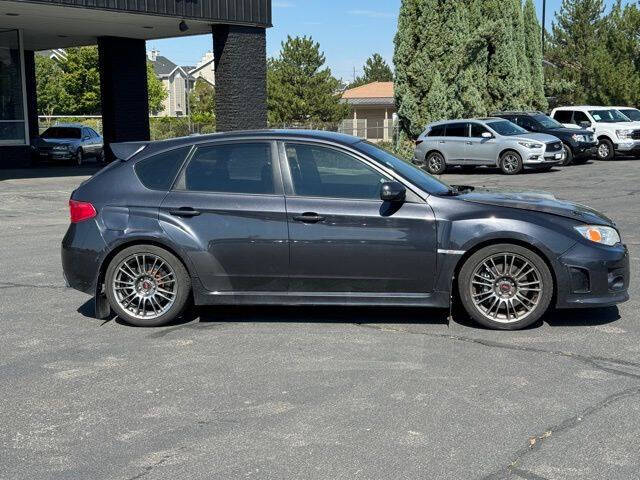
point(184, 212)
point(308, 217)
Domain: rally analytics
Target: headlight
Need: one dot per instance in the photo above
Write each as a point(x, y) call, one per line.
point(624, 134)
point(61, 147)
point(578, 138)
point(599, 234)
point(531, 145)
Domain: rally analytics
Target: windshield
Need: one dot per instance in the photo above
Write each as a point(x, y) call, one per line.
point(418, 177)
point(632, 113)
point(547, 122)
point(608, 116)
point(61, 132)
point(507, 128)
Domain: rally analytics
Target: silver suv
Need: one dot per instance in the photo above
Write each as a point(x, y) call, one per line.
point(486, 141)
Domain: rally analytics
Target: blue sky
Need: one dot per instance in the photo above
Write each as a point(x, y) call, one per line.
point(348, 31)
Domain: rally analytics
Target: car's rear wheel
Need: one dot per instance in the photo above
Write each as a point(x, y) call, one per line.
point(436, 164)
point(605, 150)
point(147, 286)
point(511, 163)
point(568, 155)
point(505, 286)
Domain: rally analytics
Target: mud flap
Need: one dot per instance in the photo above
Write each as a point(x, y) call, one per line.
point(103, 309)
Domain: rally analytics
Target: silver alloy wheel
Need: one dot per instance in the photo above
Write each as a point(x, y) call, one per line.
point(144, 286)
point(435, 162)
point(506, 287)
point(510, 162)
point(603, 150)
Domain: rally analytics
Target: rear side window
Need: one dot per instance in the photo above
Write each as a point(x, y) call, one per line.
point(563, 116)
point(437, 131)
point(230, 168)
point(457, 130)
point(159, 171)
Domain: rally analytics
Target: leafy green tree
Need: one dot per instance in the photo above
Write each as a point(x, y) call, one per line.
point(202, 102)
point(533, 45)
point(301, 90)
point(50, 91)
point(81, 80)
point(155, 90)
point(376, 69)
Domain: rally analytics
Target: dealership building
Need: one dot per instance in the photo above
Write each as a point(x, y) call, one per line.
point(120, 29)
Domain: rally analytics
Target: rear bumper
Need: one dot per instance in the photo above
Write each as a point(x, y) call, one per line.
point(593, 276)
point(81, 249)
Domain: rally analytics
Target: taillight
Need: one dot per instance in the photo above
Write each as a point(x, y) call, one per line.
point(81, 211)
point(418, 142)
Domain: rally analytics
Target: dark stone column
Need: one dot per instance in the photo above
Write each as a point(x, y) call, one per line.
point(240, 55)
point(32, 98)
point(123, 84)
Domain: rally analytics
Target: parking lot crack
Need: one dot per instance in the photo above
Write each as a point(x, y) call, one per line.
point(4, 285)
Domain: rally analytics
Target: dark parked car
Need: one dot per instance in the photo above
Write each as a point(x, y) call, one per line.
point(317, 218)
point(579, 145)
point(68, 142)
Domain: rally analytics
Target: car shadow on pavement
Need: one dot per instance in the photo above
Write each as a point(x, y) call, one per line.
point(50, 171)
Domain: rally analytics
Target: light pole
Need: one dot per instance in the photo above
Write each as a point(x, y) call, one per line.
point(544, 22)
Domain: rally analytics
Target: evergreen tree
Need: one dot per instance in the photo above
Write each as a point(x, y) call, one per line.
point(533, 44)
point(202, 102)
point(301, 90)
point(376, 69)
point(576, 48)
point(525, 93)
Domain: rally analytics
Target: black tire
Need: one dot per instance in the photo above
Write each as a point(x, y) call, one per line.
point(436, 164)
point(182, 289)
point(568, 155)
point(542, 298)
point(605, 150)
point(511, 163)
point(100, 157)
point(79, 158)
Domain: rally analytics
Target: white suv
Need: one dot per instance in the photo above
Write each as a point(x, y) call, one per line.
point(616, 133)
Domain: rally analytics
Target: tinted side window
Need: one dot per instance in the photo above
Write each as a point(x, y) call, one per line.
point(457, 130)
point(580, 117)
point(326, 172)
point(93, 133)
point(526, 123)
point(563, 116)
point(231, 168)
point(159, 171)
point(437, 131)
point(477, 130)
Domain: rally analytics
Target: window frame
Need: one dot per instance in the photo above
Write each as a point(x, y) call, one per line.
point(161, 152)
point(178, 183)
point(412, 194)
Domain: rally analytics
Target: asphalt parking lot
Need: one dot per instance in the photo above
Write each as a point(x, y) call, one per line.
point(310, 393)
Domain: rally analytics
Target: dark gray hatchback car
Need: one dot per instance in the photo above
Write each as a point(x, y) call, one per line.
point(301, 217)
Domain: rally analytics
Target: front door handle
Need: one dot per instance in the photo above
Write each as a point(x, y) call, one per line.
point(469, 143)
point(184, 212)
point(442, 141)
point(308, 217)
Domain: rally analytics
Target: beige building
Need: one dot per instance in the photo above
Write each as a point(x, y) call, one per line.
point(373, 111)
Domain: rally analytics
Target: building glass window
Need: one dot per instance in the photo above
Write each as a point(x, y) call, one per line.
point(12, 123)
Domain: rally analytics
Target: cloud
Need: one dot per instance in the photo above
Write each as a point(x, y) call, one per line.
point(372, 14)
point(283, 4)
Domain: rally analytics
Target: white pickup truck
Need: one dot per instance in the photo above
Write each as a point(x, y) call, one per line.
point(616, 133)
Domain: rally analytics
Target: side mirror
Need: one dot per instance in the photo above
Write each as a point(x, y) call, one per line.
point(486, 135)
point(585, 124)
point(393, 192)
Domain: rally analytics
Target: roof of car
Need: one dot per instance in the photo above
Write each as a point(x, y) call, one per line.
point(150, 147)
point(69, 125)
point(518, 112)
point(625, 108)
point(460, 120)
point(584, 107)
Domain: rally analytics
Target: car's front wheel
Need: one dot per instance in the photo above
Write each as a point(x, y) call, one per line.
point(511, 163)
point(79, 157)
point(436, 164)
point(568, 155)
point(505, 286)
point(147, 286)
point(605, 150)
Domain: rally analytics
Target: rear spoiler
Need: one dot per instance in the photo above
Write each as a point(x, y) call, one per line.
point(126, 150)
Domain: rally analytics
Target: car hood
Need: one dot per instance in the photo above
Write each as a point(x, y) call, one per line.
point(540, 137)
point(535, 201)
point(570, 131)
point(56, 141)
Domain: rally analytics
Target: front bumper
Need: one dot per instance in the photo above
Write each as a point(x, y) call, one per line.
point(540, 158)
point(628, 147)
point(584, 150)
point(593, 276)
point(54, 155)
